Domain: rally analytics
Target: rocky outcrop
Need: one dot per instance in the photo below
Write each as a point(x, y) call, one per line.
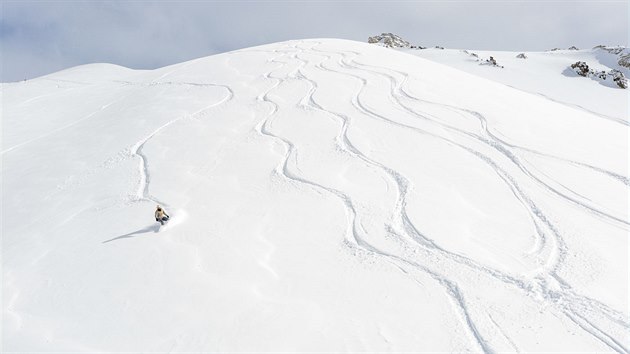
point(612, 50)
point(613, 76)
point(624, 60)
point(522, 56)
point(622, 53)
point(389, 40)
point(570, 48)
point(491, 62)
point(619, 79)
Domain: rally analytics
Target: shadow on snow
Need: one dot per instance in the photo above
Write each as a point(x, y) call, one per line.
point(154, 228)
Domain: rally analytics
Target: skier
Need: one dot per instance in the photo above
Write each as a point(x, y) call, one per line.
point(161, 215)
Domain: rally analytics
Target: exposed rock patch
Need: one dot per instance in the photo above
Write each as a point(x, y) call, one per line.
point(613, 76)
point(491, 62)
point(389, 40)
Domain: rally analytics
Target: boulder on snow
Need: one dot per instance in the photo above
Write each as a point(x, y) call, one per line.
point(624, 61)
point(491, 62)
point(581, 68)
point(573, 48)
point(522, 56)
point(618, 78)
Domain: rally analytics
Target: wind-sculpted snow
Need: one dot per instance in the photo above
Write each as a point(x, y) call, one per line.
point(326, 195)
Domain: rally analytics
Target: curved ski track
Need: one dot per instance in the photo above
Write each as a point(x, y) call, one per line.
point(446, 267)
point(397, 93)
point(574, 300)
point(142, 193)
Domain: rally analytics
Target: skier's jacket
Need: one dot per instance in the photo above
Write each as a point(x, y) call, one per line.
point(160, 213)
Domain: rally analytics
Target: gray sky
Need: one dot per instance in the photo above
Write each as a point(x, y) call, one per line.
point(40, 37)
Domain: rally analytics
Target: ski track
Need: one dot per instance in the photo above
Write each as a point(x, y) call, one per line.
point(496, 143)
point(143, 193)
point(572, 303)
point(515, 348)
point(607, 312)
point(354, 229)
point(402, 184)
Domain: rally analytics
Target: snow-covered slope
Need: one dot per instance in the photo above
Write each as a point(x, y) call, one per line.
point(547, 74)
point(325, 195)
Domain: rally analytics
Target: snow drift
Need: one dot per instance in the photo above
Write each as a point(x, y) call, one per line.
point(326, 195)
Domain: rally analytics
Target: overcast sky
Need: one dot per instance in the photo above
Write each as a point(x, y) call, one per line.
point(40, 37)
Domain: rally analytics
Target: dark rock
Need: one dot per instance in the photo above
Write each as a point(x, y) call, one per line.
point(474, 55)
point(624, 61)
point(492, 62)
point(581, 68)
point(619, 78)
